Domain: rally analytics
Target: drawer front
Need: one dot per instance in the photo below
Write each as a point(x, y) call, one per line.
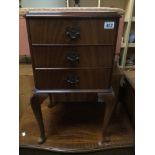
point(61, 57)
point(72, 79)
point(72, 31)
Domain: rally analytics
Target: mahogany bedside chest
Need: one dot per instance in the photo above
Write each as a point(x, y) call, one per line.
point(73, 51)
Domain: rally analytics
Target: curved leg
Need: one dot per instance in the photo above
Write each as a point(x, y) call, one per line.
point(110, 102)
point(51, 101)
point(36, 101)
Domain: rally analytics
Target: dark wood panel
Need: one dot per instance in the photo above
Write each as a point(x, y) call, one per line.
point(90, 56)
point(83, 79)
point(72, 97)
point(127, 150)
point(127, 97)
point(54, 31)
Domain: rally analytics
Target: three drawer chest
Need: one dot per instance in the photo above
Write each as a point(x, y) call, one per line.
point(73, 51)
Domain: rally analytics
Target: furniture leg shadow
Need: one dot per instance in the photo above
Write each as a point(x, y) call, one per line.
point(51, 102)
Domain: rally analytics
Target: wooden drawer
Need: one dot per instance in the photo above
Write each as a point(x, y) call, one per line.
point(72, 31)
point(61, 57)
point(72, 79)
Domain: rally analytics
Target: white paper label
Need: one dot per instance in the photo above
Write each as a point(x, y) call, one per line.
point(109, 25)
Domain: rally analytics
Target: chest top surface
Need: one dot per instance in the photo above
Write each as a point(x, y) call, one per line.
point(72, 11)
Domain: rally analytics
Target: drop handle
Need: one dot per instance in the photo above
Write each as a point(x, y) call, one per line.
point(73, 32)
point(73, 57)
point(72, 80)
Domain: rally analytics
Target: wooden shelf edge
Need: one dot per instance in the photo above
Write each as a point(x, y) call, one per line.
point(133, 19)
point(122, 45)
point(127, 67)
point(130, 67)
point(131, 45)
point(126, 20)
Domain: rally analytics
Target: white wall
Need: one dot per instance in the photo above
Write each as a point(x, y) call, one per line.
point(42, 3)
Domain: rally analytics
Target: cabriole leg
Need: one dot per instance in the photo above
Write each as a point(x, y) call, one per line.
point(36, 101)
point(110, 102)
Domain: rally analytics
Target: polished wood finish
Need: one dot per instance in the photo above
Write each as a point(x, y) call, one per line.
point(110, 102)
point(75, 13)
point(76, 127)
point(87, 78)
point(27, 85)
point(89, 56)
point(36, 102)
point(53, 31)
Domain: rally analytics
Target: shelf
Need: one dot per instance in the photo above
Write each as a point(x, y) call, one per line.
point(85, 3)
point(120, 66)
point(122, 45)
point(133, 19)
point(126, 19)
point(130, 67)
point(131, 45)
point(127, 67)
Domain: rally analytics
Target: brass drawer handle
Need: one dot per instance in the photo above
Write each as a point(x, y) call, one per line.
point(73, 32)
point(73, 57)
point(72, 80)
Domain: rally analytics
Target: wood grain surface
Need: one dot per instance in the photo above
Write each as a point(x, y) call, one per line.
point(89, 56)
point(76, 127)
point(47, 30)
point(53, 31)
point(83, 10)
point(58, 78)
